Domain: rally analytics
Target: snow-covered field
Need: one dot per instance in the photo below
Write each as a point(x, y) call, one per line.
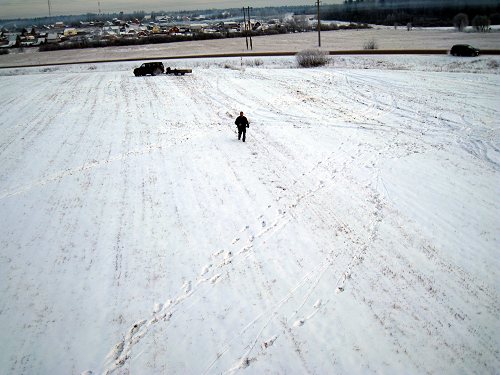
point(355, 232)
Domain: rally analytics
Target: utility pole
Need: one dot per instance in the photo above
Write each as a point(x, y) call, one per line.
point(99, 5)
point(50, 14)
point(247, 26)
point(319, 24)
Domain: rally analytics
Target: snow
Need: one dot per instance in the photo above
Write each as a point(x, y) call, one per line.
point(356, 231)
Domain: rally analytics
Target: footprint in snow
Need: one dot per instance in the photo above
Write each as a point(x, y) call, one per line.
point(299, 322)
point(235, 240)
point(347, 275)
point(318, 304)
point(136, 327)
point(205, 269)
point(134, 340)
point(244, 228)
point(214, 279)
point(116, 352)
point(215, 255)
point(225, 262)
point(340, 289)
point(187, 286)
point(168, 304)
point(270, 342)
point(201, 281)
point(167, 316)
point(263, 224)
point(244, 249)
point(244, 363)
point(158, 308)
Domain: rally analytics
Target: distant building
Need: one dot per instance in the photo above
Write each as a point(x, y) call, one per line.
point(70, 32)
point(53, 38)
point(11, 40)
point(29, 31)
point(174, 30)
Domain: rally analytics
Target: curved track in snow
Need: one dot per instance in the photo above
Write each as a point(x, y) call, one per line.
point(353, 232)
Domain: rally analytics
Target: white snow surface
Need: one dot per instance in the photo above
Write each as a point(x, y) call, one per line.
point(356, 231)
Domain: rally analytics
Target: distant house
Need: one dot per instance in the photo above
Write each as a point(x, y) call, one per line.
point(53, 38)
point(70, 32)
point(11, 40)
point(29, 31)
point(232, 27)
point(174, 30)
point(59, 24)
point(256, 25)
point(111, 30)
point(40, 41)
point(27, 43)
point(156, 29)
point(197, 27)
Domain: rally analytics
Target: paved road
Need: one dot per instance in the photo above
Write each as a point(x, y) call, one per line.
point(342, 41)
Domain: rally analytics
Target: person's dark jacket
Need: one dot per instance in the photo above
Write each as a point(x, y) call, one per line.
point(241, 121)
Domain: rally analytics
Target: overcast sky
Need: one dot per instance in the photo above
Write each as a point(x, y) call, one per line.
point(40, 8)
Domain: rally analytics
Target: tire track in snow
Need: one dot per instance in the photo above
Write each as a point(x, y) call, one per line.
point(211, 274)
point(356, 255)
point(360, 238)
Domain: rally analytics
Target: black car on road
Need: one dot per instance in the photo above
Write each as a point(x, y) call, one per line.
point(153, 68)
point(464, 50)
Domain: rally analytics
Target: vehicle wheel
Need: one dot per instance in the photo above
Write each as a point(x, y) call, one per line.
point(156, 72)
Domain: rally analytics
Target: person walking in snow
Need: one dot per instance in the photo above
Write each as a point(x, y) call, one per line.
point(242, 124)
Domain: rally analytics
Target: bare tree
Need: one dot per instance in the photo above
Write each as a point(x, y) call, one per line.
point(481, 23)
point(461, 21)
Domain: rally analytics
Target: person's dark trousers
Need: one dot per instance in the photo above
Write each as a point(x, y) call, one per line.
point(242, 130)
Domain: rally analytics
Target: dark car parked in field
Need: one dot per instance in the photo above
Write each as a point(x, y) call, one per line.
point(464, 50)
point(153, 68)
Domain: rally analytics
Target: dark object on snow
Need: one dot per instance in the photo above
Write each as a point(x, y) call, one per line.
point(242, 124)
point(464, 50)
point(153, 68)
point(178, 71)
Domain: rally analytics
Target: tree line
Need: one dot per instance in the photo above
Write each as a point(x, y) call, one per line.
point(422, 13)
